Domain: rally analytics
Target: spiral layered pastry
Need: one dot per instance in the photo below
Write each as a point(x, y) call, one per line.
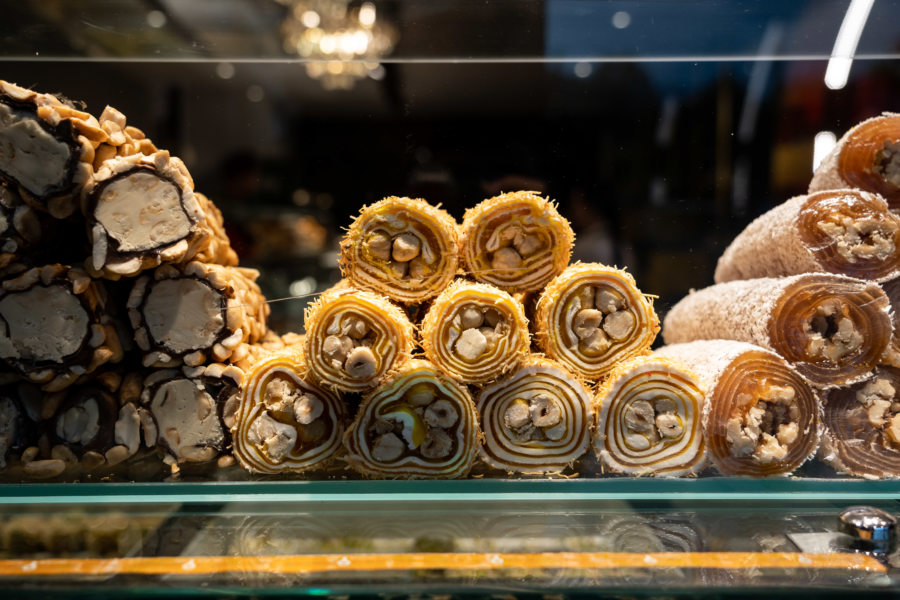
point(760, 416)
point(592, 317)
point(353, 338)
point(403, 248)
point(517, 241)
point(847, 232)
point(862, 427)
point(866, 157)
point(474, 332)
point(536, 420)
point(285, 421)
point(650, 419)
point(417, 424)
point(833, 329)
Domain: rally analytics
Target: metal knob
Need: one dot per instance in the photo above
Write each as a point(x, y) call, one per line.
point(871, 529)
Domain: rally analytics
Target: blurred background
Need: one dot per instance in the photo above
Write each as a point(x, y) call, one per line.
point(661, 128)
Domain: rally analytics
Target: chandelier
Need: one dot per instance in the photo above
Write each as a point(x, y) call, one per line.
point(340, 41)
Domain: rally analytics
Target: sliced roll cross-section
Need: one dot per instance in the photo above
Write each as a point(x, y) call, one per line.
point(847, 232)
point(286, 422)
point(54, 326)
point(142, 212)
point(417, 424)
point(862, 427)
point(516, 241)
point(760, 417)
point(536, 420)
point(866, 157)
point(353, 338)
point(46, 148)
point(474, 332)
point(403, 248)
point(187, 413)
point(834, 329)
point(650, 419)
point(196, 313)
point(593, 316)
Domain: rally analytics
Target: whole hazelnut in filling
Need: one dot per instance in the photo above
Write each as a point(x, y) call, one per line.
point(420, 423)
point(480, 328)
point(408, 255)
point(649, 421)
point(602, 319)
point(348, 347)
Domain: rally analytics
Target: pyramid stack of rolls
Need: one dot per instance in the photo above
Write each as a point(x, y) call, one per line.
point(125, 320)
point(808, 292)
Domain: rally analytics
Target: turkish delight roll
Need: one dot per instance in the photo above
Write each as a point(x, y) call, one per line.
point(592, 317)
point(46, 148)
point(141, 212)
point(474, 332)
point(187, 413)
point(196, 313)
point(834, 329)
point(862, 427)
point(516, 241)
point(403, 248)
point(354, 337)
point(866, 157)
point(286, 422)
point(536, 420)
point(55, 326)
point(760, 416)
point(650, 419)
point(419, 423)
point(847, 232)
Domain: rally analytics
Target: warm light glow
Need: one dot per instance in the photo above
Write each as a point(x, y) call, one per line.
point(845, 44)
point(367, 14)
point(824, 144)
point(310, 19)
point(328, 44)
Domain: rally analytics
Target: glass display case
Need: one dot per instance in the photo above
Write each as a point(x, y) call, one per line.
point(659, 129)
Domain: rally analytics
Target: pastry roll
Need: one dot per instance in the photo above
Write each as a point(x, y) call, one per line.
point(650, 419)
point(196, 313)
point(403, 248)
point(286, 422)
point(353, 338)
point(834, 329)
point(866, 157)
point(187, 413)
point(517, 241)
point(54, 326)
point(417, 424)
point(760, 416)
point(847, 232)
point(892, 354)
point(46, 148)
point(862, 427)
point(536, 420)
point(592, 317)
point(474, 332)
point(141, 212)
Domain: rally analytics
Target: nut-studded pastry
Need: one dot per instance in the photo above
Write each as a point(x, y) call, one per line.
point(760, 417)
point(54, 326)
point(196, 313)
point(650, 419)
point(417, 424)
point(847, 232)
point(536, 420)
point(286, 422)
point(866, 157)
point(93, 426)
point(834, 329)
point(187, 414)
point(517, 241)
point(403, 248)
point(20, 405)
point(353, 338)
point(592, 317)
point(141, 212)
point(46, 148)
point(474, 332)
point(20, 230)
point(122, 139)
point(862, 427)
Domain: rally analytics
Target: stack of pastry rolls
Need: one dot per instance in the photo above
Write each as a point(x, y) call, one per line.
point(812, 285)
